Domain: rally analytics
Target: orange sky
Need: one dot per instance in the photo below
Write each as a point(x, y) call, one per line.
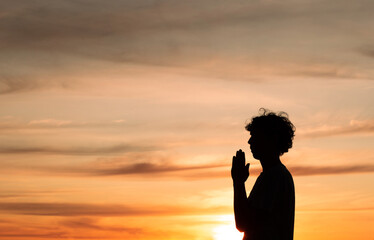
point(119, 119)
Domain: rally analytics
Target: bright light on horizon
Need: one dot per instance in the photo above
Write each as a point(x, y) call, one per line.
point(227, 230)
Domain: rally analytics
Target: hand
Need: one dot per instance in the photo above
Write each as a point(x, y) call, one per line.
point(239, 171)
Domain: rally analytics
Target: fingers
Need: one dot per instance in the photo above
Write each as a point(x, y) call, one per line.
point(239, 170)
point(239, 159)
point(240, 156)
point(240, 153)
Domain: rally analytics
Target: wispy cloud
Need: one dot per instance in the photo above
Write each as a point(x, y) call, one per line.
point(77, 227)
point(33, 234)
point(10, 123)
point(42, 38)
point(14, 82)
point(73, 227)
point(28, 193)
point(218, 169)
point(143, 169)
point(367, 51)
point(82, 150)
point(295, 171)
point(327, 170)
point(93, 224)
point(151, 168)
point(75, 20)
point(354, 127)
point(336, 209)
point(85, 209)
point(162, 167)
point(328, 71)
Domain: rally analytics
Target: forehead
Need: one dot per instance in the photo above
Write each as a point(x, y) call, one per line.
point(260, 134)
point(257, 131)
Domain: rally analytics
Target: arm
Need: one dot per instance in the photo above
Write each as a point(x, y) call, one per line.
point(241, 210)
point(239, 174)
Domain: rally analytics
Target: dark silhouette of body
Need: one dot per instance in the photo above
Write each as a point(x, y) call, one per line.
point(268, 212)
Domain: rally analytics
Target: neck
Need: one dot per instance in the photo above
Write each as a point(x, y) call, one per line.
point(269, 162)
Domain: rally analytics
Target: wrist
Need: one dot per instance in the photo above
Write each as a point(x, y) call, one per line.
point(238, 183)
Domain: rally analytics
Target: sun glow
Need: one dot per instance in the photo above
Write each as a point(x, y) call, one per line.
point(227, 230)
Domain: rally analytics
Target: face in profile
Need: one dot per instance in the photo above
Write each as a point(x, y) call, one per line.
point(262, 145)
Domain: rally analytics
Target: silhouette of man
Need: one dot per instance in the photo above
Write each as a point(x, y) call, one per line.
point(268, 212)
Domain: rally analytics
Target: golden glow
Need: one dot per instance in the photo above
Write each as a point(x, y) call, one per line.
point(227, 230)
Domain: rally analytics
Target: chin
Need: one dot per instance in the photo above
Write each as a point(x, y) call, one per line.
point(255, 156)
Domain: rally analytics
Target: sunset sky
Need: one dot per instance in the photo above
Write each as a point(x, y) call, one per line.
point(119, 119)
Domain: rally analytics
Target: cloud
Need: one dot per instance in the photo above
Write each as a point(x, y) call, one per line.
point(115, 149)
point(10, 84)
point(143, 169)
point(161, 167)
point(34, 234)
point(151, 168)
point(336, 209)
point(84, 209)
point(76, 227)
point(10, 123)
point(144, 162)
point(39, 22)
point(332, 72)
point(367, 51)
point(295, 171)
point(19, 82)
point(23, 194)
point(132, 163)
point(44, 42)
point(60, 22)
point(80, 228)
point(327, 170)
point(90, 223)
point(355, 127)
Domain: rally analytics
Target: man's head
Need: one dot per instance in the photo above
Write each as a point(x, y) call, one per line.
point(271, 134)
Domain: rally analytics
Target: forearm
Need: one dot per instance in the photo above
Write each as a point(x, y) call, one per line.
point(240, 206)
point(239, 174)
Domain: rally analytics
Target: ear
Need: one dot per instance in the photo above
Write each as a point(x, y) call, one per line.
point(277, 143)
point(274, 143)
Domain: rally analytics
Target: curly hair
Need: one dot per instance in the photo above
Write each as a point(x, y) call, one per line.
point(276, 124)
